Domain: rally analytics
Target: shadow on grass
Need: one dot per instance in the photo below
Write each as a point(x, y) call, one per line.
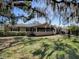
point(58, 46)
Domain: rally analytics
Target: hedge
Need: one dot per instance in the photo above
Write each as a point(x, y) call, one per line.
point(13, 33)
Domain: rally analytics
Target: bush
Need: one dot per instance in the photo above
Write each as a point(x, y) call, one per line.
point(21, 33)
point(2, 33)
point(74, 29)
point(12, 33)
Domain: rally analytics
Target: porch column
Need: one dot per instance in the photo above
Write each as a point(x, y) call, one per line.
point(18, 29)
point(36, 29)
point(45, 29)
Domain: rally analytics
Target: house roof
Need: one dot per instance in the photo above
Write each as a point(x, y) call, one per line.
point(19, 3)
point(39, 25)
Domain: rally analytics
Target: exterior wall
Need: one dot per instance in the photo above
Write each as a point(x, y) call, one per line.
point(2, 27)
point(22, 28)
point(39, 33)
point(7, 29)
point(43, 33)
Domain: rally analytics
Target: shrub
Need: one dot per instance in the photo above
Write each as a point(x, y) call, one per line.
point(2, 33)
point(12, 33)
point(21, 33)
point(74, 29)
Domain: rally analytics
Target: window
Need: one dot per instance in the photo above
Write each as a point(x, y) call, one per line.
point(41, 29)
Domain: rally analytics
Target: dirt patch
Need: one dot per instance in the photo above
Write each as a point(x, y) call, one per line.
point(6, 42)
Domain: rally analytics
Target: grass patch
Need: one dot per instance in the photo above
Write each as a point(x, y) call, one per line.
point(43, 48)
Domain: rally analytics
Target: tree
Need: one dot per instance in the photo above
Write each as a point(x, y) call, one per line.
point(67, 11)
point(74, 29)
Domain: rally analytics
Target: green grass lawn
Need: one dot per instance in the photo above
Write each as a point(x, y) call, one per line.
point(43, 48)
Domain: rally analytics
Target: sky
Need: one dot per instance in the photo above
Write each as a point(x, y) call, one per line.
point(40, 4)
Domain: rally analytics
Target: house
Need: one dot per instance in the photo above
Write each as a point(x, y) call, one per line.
point(41, 29)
